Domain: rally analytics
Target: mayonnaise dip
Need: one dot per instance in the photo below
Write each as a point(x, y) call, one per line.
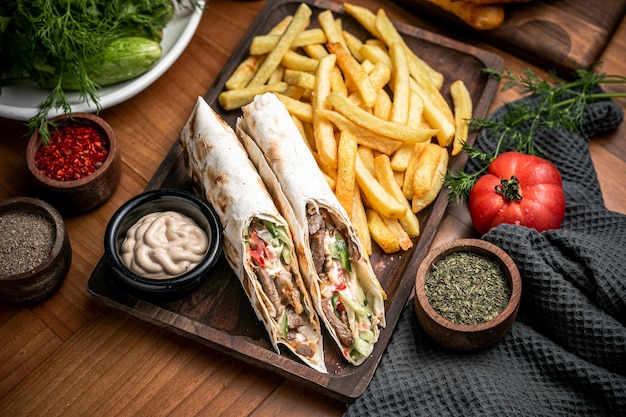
point(164, 245)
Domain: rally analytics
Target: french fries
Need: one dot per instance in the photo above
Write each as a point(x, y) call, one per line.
point(371, 111)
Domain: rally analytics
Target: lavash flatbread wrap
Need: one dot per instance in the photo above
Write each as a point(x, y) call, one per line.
point(257, 239)
point(335, 266)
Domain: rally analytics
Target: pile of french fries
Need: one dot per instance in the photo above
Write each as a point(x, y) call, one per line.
point(371, 112)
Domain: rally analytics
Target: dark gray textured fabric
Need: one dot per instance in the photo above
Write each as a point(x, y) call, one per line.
point(566, 353)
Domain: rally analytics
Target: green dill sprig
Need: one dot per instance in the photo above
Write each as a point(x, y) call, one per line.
point(559, 104)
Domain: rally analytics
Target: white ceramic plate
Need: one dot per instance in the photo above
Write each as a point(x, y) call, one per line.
point(21, 102)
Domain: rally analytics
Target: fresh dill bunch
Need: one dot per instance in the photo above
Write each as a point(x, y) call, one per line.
point(557, 104)
point(43, 41)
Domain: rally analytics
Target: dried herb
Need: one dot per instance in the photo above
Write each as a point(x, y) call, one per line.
point(467, 288)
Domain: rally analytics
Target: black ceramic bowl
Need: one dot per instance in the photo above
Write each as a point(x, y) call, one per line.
point(158, 201)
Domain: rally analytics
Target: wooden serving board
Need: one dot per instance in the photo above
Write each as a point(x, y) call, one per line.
point(560, 35)
point(218, 314)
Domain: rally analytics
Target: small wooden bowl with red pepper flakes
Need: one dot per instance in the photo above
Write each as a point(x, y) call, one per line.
point(467, 293)
point(79, 167)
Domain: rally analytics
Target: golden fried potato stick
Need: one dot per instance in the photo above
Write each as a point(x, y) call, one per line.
point(427, 164)
point(298, 62)
point(263, 44)
point(383, 105)
point(244, 72)
point(359, 220)
point(300, 21)
point(234, 99)
point(353, 71)
point(478, 16)
point(401, 235)
point(364, 16)
point(381, 234)
point(400, 85)
point(389, 34)
point(385, 175)
point(383, 127)
point(331, 29)
point(323, 129)
point(407, 185)
point(419, 203)
point(353, 44)
point(376, 195)
point(366, 137)
point(346, 162)
point(463, 109)
point(297, 108)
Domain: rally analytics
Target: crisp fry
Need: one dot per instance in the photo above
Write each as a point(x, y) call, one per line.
point(366, 155)
point(381, 233)
point(353, 70)
point(389, 34)
point(462, 114)
point(365, 136)
point(353, 44)
point(376, 195)
point(380, 75)
point(375, 54)
point(401, 235)
point(300, 78)
point(401, 89)
point(234, 99)
point(364, 16)
point(346, 161)
point(419, 203)
point(299, 22)
point(264, 44)
point(359, 220)
point(371, 122)
point(323, 129)
point(385, 175)
point(330, 28)
point(426, 169)
point(400, 158)
point(295, 61)
point(297, 108)
point(383, 105)
point(407, 185)
point(243, 73)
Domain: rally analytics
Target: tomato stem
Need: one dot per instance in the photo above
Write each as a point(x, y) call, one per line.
point(509, 188)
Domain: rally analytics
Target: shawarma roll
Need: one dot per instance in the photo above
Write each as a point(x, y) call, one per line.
point(257, 239)
point(335, 266)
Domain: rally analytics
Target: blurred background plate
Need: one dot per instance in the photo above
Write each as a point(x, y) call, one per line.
point(21, 102)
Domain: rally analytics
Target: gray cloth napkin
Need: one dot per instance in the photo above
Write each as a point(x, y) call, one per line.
point(566, 353)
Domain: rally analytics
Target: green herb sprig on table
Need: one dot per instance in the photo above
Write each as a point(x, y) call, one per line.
point(58, 44)
point(560, 104)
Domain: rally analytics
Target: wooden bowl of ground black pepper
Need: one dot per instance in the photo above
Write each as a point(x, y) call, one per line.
point(78, 166)
point(35, 252)
point(467, 293)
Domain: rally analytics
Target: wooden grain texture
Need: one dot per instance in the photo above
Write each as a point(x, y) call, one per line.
point(555, 34)
point(70, 356)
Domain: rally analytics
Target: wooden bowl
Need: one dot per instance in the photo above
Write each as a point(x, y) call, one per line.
point(466, 337)
point(161, 200)
point(23, 285)
point(84, 194)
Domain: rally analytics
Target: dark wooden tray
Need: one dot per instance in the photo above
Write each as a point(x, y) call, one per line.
point(218, 314)
point(559, 35)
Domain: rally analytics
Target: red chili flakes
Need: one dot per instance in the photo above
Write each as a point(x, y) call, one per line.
point(73, 152)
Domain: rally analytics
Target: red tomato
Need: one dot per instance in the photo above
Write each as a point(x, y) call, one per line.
point(518, 189)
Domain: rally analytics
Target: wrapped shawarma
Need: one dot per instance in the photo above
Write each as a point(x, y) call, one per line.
point(257, 239)
point(335, 266)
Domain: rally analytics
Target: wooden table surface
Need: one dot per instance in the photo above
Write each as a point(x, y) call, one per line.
point(70, 356)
